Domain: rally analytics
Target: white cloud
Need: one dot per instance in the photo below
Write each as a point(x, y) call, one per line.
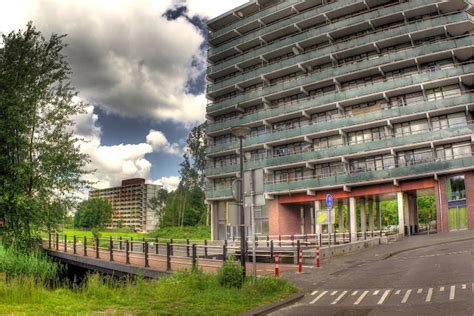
point(168, 183)
point(160, 143)
point(112, 164)
point(212, 8)
point(125, 56)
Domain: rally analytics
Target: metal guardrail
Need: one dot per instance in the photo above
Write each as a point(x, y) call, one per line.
point(145, 251)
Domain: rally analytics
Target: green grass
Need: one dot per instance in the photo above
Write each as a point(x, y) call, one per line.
point(183, 293)
point(35, 265)
point(194, 233)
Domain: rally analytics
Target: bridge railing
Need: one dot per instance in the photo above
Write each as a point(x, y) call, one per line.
point(175, 254)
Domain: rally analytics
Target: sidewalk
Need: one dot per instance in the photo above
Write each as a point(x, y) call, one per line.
point(331, 267)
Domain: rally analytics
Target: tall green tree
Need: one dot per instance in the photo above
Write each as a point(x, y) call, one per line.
point(93, 213)
point(158, 203)
point(40, 162)
point(185, 206)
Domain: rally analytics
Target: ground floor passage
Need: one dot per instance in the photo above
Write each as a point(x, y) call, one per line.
point(443, 203)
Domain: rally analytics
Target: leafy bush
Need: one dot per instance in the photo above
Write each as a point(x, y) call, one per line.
point(230, 274)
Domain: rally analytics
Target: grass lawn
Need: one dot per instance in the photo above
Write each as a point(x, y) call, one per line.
point(184, 293)
point(193, 233)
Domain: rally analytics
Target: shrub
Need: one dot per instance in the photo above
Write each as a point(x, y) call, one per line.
point(230, 274)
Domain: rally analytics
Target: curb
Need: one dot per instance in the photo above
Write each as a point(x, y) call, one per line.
point(266, 309)
point(419, 247)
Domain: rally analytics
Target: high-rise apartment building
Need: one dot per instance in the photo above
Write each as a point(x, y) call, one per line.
point(366, 100)
point(130, 204)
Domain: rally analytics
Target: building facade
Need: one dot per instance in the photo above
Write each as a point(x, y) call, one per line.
point(130, 204)
point(366, 100)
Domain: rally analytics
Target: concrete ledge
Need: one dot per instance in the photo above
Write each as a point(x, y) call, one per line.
point(338, 250)
point(264, 310)
point(108, 267)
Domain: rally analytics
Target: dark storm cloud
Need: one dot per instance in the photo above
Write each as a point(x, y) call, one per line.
point(132, 62)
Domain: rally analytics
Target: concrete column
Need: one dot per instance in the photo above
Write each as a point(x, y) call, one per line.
point(353, 218)
point(302, 220)
point(406, 210)
point(213, 219)
point(411, 211)
point(317, 208)
point(313, 220)
point(401, 213)
point(378, 214)
point(371, 215)
point(340, 215)
point(363, 220)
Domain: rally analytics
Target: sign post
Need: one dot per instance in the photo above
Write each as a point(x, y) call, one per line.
point(329, 205)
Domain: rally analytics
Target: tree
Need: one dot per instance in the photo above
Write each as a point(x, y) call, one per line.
point(158, 202)
point(426, 209)
point(40, 162)
point(93, 213)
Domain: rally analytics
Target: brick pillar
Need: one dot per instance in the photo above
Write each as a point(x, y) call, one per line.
point(283, 219)
point(469, 182)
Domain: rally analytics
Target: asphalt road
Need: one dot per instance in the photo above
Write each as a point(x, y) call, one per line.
point(436, 280)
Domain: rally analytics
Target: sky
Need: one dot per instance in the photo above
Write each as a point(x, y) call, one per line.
point(140, 66)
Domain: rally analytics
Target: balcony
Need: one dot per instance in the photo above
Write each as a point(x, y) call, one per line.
point(391, 57)
point(369, 176)
point(314, 155)
point(252, 18)
point(365, 39)
point(282, 24)
point(216, 194)
point(354, 120)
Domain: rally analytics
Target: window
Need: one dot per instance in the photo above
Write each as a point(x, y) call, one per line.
point(456, 188)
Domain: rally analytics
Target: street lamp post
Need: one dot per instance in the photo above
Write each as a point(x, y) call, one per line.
point(241, 132)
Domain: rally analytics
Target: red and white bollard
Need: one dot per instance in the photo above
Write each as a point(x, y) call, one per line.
point(277, 265)
point(318, 262)
point(300, 262)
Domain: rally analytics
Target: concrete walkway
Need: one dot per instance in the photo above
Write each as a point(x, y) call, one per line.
point(332, 267)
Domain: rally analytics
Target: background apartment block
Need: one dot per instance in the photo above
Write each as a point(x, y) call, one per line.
point(130, 204)
point(368, 100)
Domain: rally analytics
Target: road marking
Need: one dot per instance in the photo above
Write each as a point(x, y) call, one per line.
point(319, 296)
point(441, 289)
point(314, 293)
point(333, 293)
point(463, 286)
point(397, 292)
point(339, 298)
point(376, 292)
point(452, 292)
point(428, 296)
point(407, 295)
point(419, 291)
point(354, 293)
point(384, 297)
point(361, 297)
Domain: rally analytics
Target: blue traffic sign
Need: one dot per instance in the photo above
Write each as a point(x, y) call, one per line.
point(329, 201)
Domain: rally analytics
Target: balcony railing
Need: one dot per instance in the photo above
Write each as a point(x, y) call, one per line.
point(312, 154)
point(267, 11)
point(389, 57)
point(281, 24)
point(344, 119)
point(424, 166)
point(373, 36)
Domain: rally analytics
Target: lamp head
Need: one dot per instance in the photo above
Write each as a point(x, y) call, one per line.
point(240, 131)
